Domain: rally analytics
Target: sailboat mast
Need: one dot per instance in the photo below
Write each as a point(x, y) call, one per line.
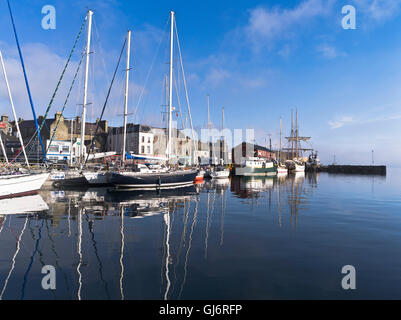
point(281, 129)
point(208, 112)
point(296, 133)
point(13, 108)
point(126, 95)
point(3, 149)
point(222, 118)
point(83, 120)
point(170, 109)
point(222, 129)
point(166, 96)
point(292, 134)
point(27, 84)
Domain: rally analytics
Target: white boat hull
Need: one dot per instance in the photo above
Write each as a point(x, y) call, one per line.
point(220, 174)
point(97, 178)
point(282, 170)
point(20, 185)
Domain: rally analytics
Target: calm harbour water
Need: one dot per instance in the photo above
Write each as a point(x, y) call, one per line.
point(274, 238)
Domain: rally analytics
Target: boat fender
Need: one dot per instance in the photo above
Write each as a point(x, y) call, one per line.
point(159, 182)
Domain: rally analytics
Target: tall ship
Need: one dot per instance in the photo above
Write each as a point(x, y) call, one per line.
point(295, 161)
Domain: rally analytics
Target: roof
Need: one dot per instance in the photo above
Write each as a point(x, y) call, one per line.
point(254, 146)
point(90, 128)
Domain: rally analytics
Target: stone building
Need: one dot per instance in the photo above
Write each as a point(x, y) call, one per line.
point(145, 140)
point(5, 126)
point(67, 129)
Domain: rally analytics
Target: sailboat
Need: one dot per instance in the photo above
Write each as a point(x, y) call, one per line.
point(18, 183)
point(103, 177)
point(281, 168)
point(220, 172)
point(158, 180)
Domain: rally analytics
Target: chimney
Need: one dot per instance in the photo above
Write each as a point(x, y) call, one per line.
point(58, 116)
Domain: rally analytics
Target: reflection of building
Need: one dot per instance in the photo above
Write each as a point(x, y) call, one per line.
point(251, 187)
point(247, 150)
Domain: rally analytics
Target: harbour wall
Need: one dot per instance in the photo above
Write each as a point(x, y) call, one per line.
point(355, 169)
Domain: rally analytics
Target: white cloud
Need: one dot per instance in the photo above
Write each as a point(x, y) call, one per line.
point(266, 24)
point(328, 51)
point(43, 69)
point(348, 120)
point(378, 10)
point(336, 124)
point(216, 76)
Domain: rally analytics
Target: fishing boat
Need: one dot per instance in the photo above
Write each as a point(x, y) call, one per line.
point(313, 163)
point(254, 166)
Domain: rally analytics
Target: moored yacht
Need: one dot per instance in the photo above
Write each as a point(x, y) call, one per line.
point(20, 184)
point(295, 165)
point(153, 180)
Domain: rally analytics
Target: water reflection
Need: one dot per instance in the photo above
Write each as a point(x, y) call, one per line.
point(166, 245)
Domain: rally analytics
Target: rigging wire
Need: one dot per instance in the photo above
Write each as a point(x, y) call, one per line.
point(150, 69)
point(105, 103)
point(185, 87)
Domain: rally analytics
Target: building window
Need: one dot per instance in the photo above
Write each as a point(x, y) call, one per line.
point(53, 149)
point(143, 138)
point(148, 150)
point(142, 149)
point(66, 149)
point(148, 139)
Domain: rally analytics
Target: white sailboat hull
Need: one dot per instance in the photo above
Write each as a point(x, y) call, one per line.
point(97, 178)
point(20, 185)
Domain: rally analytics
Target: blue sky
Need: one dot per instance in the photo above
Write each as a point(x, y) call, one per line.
point(257, 59)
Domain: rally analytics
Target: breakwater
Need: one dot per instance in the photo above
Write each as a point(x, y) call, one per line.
point(355, 169)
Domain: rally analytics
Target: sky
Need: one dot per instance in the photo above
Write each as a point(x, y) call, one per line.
point(257, 59)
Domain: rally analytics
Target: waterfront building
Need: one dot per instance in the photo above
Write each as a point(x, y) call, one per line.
point(67, 130)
